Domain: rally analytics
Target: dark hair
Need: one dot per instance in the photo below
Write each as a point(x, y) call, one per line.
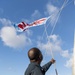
point(34, 54)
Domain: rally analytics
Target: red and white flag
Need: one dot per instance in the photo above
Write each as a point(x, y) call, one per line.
point(24, 26)
point(39, 22)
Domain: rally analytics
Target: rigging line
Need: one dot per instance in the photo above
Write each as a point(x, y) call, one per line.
point(64, 4)
point(55, 23)
point(49, 41)
point(53, 30)
point(62, 7)
point(46, 26)
point(45, 30)
point(57, 19)
point(58, 16)
point(50, 49)
point(69, 3)
point(49, 38)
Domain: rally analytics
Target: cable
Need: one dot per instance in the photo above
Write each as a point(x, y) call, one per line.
point(45, 31)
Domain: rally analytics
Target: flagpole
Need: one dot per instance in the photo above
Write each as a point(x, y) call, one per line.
point(73, 67)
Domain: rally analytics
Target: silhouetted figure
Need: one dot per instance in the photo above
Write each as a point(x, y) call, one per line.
point(34, 67)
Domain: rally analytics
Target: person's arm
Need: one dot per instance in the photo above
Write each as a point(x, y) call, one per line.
point(46, 66)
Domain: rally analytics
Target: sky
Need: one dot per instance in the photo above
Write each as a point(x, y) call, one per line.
point(54, 39)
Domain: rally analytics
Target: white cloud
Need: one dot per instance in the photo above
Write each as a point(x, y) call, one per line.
point(25, 20)
point(69, 56)
point(12, 39)
point(53, 44)
point(69, 62)
point(36, 14)
point(65, 53)
point(54, 13)
point(5, 22)
point(51, 9)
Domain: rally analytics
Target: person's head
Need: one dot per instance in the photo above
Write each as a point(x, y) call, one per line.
point(35, 55)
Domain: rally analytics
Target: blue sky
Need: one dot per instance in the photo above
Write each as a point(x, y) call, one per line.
point(14, 46)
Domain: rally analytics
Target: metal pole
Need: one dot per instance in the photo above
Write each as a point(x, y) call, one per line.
point(73, 67)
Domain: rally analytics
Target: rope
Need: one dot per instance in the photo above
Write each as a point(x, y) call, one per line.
point(45, 31)
point(50, 49)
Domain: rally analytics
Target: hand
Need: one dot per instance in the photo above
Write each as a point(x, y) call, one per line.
point(52, 60)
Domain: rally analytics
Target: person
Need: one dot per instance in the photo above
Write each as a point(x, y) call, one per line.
point(36, 57)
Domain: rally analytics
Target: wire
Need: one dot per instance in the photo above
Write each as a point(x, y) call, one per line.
point(45, 31)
